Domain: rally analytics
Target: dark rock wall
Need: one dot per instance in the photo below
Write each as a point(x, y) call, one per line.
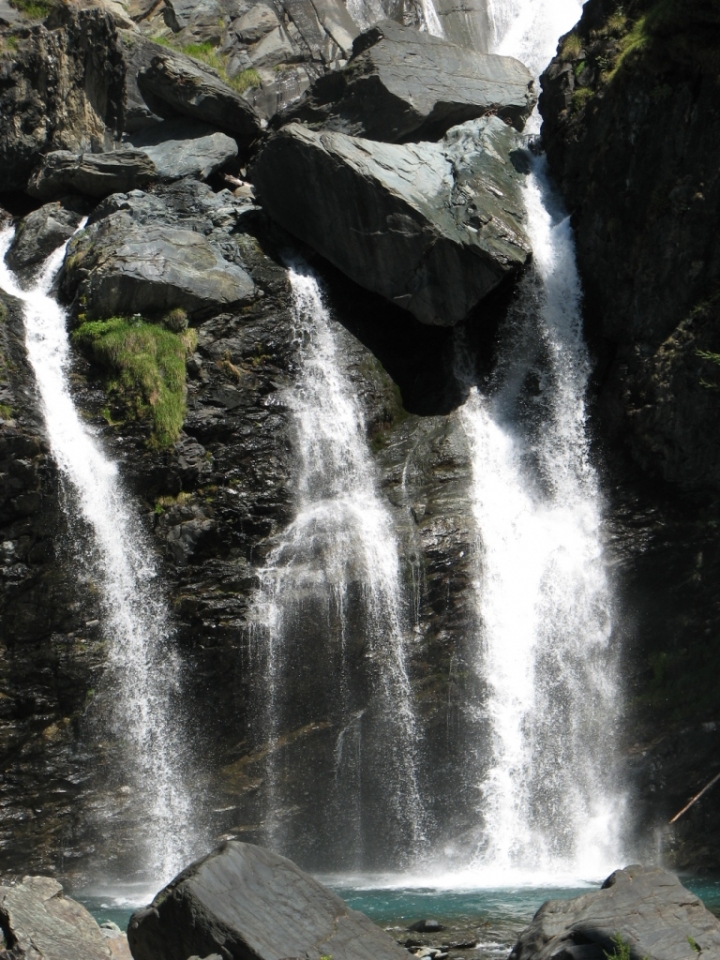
point(632, 131)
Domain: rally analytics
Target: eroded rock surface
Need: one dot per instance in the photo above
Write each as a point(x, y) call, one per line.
point(247, 902)
point(432, 227)
point(185, 148)
point(92, 174)
point(404, 85)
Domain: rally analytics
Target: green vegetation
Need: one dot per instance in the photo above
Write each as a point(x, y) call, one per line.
point(572, 47)
point(5, 411)
point(147, 366)
point(694, 944)
point(207, 54)
point(34, 9)
point(621, 949)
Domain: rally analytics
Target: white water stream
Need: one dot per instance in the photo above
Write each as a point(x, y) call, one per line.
point(549, 799)
point(141, 670)
point(339, 553)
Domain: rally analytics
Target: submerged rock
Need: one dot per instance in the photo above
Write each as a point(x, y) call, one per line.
point(39, 922)
point(405, 85)
point(432, 227)
point(645, 909)
point(245, 902)
point(95, 175)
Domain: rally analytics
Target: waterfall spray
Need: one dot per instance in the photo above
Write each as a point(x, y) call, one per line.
point(141, 669)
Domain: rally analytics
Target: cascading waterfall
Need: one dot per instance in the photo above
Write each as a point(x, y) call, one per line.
point(142, 672)
point(333, 576)
point(549, 798)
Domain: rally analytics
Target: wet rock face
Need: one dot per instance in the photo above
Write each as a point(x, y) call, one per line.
point(401, 85)
point(432, 227)
point(645, 205)
point(645, 908)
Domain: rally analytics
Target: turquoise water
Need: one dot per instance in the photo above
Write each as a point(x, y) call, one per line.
point(492, 917)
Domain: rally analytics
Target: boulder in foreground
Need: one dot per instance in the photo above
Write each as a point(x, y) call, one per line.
point(246, 903)
point(403, 85)
point(37, 921)
point(434, 227)
point(646, 908)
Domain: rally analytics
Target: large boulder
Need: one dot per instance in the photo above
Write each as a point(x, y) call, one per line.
point(92, 174)
point(246, 903)
point(119, 266)
point(405, 85)
point(41, 231)
point(37, 921)
point(432, 227)
point(185, 148)
point(190, 89)
point(643, 910)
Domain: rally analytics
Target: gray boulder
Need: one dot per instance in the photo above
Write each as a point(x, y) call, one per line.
point(646, 908)
point(120, 266)
point(185, 148)
point(40, 922)
point(43, 230)
point(247, 903)
point(405, 85)
point(93, 174)
point(192, 90)
point(434, 227)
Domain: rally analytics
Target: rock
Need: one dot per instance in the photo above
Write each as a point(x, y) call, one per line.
point(199, 93)
point(41, 231)
point(247, 902)
point(41, 922)
point(274, 49)
point(432, 227)
point(647, 907)
point(93, 174)
point(427, 926)
point(185, 148)
point(184, 13)
point(405, 85)
point(62, 90)
point(118, 266)
point(254, 24)
point(9, 16)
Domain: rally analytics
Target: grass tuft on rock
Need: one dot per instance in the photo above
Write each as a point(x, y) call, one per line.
point(34, 9)
point(147, 368)
point(207, 53)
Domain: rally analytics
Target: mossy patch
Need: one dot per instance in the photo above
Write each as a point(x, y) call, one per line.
point(34, 9)
point(146, 363)
point(208, 54)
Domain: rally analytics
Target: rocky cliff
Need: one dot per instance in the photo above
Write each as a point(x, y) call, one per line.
point(632, 130)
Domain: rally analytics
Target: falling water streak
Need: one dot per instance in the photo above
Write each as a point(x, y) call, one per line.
point(341, 534)
point(544, 604)
point(141, 667)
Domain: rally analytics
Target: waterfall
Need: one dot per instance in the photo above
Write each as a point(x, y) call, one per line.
point(544, 649)
point(331, 604)
point(141, 675)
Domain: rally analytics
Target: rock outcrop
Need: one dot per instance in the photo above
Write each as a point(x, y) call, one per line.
point(401, 85)
point(37, 921)
point(432, 227)
point(245, 902)
point(185, 148)
point(43, 230)
point(122, 264)
point(190, 89)
point(92, 174)
point(643, 910)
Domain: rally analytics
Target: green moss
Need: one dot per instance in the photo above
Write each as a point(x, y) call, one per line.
point(34, 9)
point(247, 80)
point(5, 411)
point(147, 365)
point(572, 47)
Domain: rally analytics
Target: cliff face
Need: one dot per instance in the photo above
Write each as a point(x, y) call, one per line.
point(632, 132)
